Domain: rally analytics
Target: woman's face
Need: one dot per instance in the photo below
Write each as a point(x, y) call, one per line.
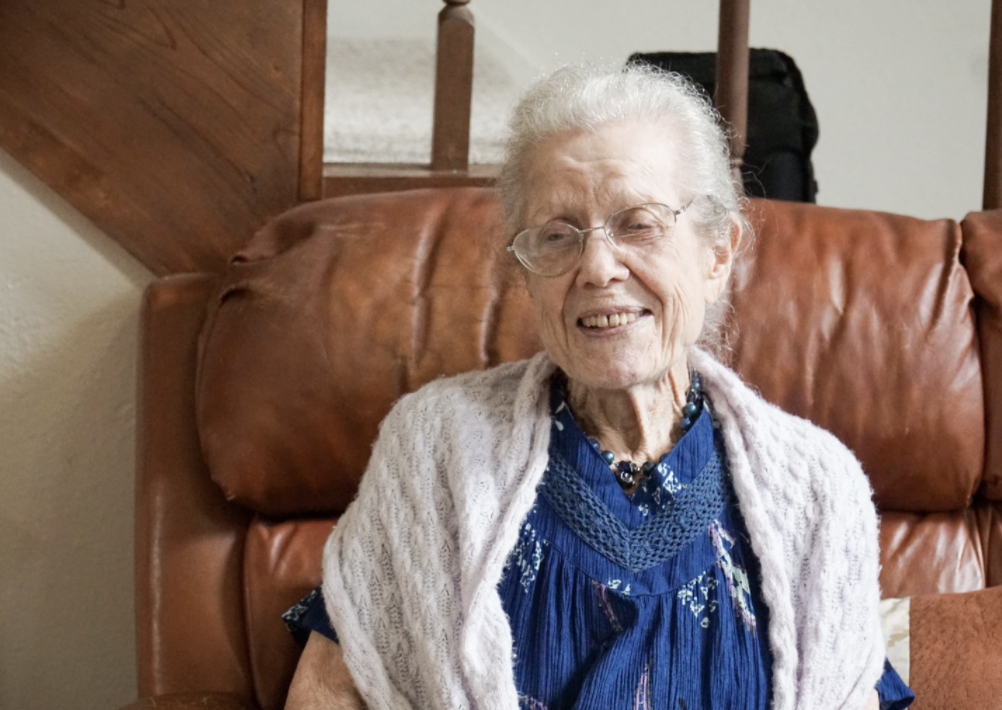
point(661, 294)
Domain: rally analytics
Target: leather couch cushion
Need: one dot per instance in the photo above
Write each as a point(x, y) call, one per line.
point(857, 320)
point(861, 322)
point(931, 553)
point(328, 316)
point(281, 564)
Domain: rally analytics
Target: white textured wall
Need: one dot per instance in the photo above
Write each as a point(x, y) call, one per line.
point(899, 85)
point(69, 305)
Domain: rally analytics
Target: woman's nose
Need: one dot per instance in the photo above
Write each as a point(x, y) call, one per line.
point(601, 261)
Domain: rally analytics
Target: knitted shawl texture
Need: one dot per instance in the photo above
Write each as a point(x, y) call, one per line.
point(412, 567)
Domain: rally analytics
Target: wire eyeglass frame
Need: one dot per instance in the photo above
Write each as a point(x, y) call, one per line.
point(565, 256)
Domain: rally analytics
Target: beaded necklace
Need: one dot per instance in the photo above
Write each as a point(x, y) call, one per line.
point(627, 472)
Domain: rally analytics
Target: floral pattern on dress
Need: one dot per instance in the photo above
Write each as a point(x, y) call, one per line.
point(528, 555)
point(657, 492)
point(601, 593)
point(641, 698)
point(669, 481)
point(700, 595)
point(738, 585)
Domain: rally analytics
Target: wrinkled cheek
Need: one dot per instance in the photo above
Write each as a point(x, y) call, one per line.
point(553, 335)
point(683, 320)
point(549, 323)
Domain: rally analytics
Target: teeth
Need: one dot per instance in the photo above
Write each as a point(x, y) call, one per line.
point(610, 321)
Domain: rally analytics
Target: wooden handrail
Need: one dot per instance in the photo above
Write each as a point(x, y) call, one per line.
point(992, 197)
point(450, 141)
point(731, 94)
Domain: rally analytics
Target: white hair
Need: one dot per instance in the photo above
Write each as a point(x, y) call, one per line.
point(585, 97)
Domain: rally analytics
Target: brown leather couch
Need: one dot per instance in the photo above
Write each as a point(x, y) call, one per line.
point(261, 392)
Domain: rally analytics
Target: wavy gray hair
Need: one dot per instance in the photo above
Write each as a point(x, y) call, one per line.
point(584, 97)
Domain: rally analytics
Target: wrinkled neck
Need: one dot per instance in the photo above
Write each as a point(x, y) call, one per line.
point(639, 423)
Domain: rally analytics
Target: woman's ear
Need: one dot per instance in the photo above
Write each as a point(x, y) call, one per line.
point(721, 262)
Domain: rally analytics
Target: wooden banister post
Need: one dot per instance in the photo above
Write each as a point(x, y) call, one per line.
point(992, 198)
point(731, 95)
point(311, 140)
point(450, 141)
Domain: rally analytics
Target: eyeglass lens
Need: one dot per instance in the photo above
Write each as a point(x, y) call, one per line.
point(555, 247)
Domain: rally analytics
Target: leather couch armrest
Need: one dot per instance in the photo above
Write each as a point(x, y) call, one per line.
point(190, 627)
point(192, 701)
point(955, 662)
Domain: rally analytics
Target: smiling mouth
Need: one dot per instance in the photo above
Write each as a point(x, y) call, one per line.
point(611, 320)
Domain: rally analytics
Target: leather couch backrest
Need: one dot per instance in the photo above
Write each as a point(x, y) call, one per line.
point(328, 316)
point(859, 321)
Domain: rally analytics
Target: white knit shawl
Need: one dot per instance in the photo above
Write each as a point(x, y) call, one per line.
point(412, 567)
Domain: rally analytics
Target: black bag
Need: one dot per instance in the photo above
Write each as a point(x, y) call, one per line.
point(782, 125)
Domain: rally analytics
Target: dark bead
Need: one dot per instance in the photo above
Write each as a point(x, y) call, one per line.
point(595, 445)
point(648, 466)
point(625, 477)
point(685, 424)
point(690, 410)
point(610, 458)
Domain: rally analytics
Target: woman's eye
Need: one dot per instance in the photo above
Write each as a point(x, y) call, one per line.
point(555, 237)
point(636, 223)
point(640, 229)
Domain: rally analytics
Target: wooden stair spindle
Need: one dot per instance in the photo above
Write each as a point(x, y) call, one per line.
point(992, 198)
point(450, 142)
point(731, 95)
point(311, 139)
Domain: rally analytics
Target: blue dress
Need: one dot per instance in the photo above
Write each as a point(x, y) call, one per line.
point(614, 598)
point(644, 601)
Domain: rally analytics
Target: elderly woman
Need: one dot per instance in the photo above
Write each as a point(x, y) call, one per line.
point(619, 522)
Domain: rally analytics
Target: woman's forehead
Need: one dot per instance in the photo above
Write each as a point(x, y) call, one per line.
point(610, 168)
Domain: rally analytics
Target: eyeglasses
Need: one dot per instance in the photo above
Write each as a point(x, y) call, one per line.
point(555, 248)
